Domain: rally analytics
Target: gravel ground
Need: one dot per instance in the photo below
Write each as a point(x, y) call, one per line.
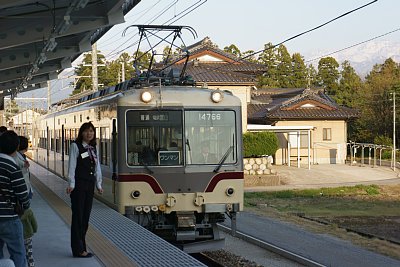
point(238, 253)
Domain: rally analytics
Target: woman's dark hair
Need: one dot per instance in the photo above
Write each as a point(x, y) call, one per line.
point(23, 143)
point(84, 127)
point(9, 142)
point(3, 129)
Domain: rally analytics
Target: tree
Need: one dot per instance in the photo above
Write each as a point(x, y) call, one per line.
point(312, 74)
point(375, 102)
point(268, 58)
point(299, 71)
point(260, 143)
point(350, 85)
point(12, 109)
point(284, 68)
point(84, 73)
point(141, 61)
point(233, 49)
point(169, 53)
point(328, 74)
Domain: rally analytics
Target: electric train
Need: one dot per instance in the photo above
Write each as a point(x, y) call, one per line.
point(171, 155)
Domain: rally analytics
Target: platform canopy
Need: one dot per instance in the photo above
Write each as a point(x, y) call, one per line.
point(39, 39)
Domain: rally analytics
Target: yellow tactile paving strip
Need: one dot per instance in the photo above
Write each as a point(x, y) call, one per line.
point(105, 251)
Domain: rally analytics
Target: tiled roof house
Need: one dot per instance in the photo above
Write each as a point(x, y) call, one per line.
point(303, 107)
point(214, 68)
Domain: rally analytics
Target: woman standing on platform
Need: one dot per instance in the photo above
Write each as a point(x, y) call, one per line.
point(84, 174)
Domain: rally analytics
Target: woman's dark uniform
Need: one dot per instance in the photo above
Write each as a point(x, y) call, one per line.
point(84, 176)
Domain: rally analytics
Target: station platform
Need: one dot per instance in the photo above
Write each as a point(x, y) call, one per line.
point(114, 239)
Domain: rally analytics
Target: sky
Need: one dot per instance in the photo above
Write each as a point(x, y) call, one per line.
point(252, 23)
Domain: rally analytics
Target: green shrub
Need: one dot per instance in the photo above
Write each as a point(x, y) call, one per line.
point(260, 143)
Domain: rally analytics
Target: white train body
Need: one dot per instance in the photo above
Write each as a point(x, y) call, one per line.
point(152, 143)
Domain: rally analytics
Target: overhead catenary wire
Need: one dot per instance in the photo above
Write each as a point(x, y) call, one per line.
point(111, 38)
point(295, 36)
point(184, 13)
point(158, 15)
point(351, 46)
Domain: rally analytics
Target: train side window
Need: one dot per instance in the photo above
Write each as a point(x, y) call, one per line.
point(104, 145)
point(57, 140)
point(66, 140)
point(74, 119)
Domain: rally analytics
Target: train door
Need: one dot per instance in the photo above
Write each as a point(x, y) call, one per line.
point(62, 150)
point(114, 153)
point(48, 146)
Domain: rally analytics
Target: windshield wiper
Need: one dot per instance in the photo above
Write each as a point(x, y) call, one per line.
point(222, 160)
point(190, 151)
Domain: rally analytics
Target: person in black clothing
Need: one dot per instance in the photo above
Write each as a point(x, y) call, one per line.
point(3, 129)
point(12, 189)
point(84, 174)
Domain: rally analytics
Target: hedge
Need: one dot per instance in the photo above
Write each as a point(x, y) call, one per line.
point(259, 143)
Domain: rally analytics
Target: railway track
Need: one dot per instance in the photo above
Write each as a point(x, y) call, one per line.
point(210, 262)
point(275, 249)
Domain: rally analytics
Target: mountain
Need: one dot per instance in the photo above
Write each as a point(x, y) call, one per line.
point(363, 57)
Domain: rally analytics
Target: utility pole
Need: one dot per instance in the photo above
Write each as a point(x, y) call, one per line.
point(123, 71)
point(95, 81)
point(394, 131)
point(48, 96)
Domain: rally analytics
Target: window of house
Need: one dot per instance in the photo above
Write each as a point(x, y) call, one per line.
point(303, 139)
point(327, 134)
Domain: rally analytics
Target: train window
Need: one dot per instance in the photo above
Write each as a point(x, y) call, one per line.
point(80, 118)
point(210, 137)
point(154, 138)
point(74, 119)
point(57, 141)
point(66, 140)
point(51, 140)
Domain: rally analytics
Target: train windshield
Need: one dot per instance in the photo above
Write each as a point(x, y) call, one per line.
point(210, 137)
point(154, 138)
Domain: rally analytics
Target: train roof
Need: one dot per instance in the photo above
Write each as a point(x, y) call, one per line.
point(173, 95)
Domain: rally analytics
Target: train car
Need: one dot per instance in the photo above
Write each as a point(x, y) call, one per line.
point(171, 156)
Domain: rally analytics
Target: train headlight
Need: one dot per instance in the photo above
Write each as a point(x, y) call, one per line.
point(146, 97)
point(229, 191)
point(217, 96)
point(135, 194)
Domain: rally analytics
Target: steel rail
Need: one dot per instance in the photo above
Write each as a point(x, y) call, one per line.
point(273, 248)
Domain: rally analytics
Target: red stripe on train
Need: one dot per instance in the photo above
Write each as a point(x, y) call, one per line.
point(141, 178)
point(157, 189)
point(223, 176)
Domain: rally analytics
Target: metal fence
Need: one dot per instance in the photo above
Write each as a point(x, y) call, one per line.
point(369, 154)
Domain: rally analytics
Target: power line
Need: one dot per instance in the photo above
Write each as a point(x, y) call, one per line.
point(295, 36)
point(162, 12)
point(188, 10)
point(354, 45)
point(105, 42)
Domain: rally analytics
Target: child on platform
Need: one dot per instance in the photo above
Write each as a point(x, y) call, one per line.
point(30, 227)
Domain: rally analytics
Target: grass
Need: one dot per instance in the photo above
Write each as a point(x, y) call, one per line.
point(360, 200)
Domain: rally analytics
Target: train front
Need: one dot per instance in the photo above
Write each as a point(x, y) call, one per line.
point(180, 162)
